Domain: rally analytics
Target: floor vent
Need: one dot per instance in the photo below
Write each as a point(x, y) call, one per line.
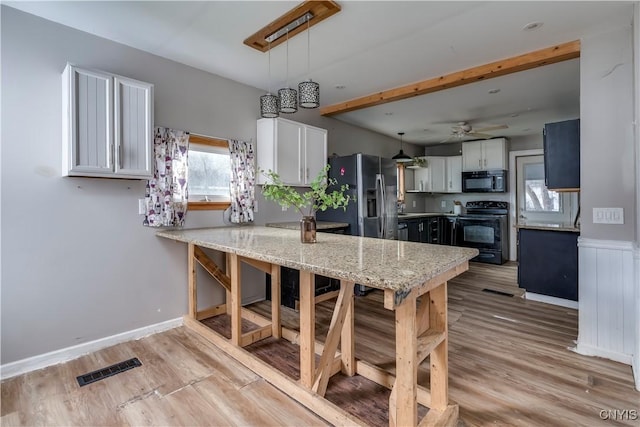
point(493, 291)
point(109, 371)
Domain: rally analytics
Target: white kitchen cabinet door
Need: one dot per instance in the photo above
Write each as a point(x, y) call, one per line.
point(438, 172)
point(87, 122)
point(295, 151)
point(495, 154)
point(472, 159)
point(133, 124)
point(484, 155)
point(107, 125)
point(454, 174)
point(289, 152)
point(315, 142)
point(421, 178)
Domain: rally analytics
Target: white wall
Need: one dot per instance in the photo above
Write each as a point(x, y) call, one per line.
point(607, 283)
point(77, 263)
point(636, 91)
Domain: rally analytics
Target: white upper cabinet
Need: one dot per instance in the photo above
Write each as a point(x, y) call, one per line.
point(484, 155)
point(454, 174)
point(107, 125)
point(295, 151)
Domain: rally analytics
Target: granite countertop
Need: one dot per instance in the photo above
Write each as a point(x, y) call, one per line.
point(380, 263)
point(549, 226)
point(320, 225)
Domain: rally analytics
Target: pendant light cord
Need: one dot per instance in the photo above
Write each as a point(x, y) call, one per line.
point(269, 81)
point(308, 52)
point(287, 74)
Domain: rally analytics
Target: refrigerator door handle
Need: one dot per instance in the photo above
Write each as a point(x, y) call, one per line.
point(380, 204)
point(383, 207)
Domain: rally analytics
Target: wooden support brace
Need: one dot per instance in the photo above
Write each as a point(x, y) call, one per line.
point(448, 417)
point(255, 335)
point(211, 267)
point(193, 287)
point(404, 409)
point(236, 299)
point(439, 357)
point(260, 265)
point(427, 342)
point(387, 379)
point(211, 312)
point(347, 339)
point(276, 326)
point(307, 329)
point(333, 338)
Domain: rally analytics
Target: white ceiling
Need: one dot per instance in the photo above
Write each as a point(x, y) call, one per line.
point(370, 46)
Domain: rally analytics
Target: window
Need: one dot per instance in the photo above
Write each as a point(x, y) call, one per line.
point(537, 197)
point(209, 173)
point(536, 203)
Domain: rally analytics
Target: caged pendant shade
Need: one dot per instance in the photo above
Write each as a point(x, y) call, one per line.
point(401, 157)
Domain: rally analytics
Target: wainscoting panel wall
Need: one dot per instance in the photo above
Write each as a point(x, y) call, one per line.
point(606, 294)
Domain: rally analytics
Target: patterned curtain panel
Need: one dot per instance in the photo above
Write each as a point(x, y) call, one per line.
point(166, 194)
point(243, 181)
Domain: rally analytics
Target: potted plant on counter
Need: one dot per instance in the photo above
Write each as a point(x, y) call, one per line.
point(317, 198)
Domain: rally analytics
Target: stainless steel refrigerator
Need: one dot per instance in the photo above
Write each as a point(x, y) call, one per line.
point(373, 182)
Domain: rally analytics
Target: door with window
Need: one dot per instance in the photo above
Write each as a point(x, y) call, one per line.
point(536, 203)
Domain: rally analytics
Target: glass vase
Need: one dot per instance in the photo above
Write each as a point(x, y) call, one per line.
point(308, 229)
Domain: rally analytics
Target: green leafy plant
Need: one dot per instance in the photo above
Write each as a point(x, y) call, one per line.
point(311, 201)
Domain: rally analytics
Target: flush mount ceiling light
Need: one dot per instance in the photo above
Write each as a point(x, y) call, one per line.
point(310, 11)
point(401, 157)
point(531, 26)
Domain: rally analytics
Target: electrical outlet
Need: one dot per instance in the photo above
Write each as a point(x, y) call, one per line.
point(284, 209)
point(443, 204)
point(414, 204)
point(142, 208)
point(608, 215)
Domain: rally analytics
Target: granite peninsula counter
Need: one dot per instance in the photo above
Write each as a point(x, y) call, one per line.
point(405, 271)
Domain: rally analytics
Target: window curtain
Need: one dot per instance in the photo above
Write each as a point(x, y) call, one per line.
point(166, 194)
point(243, 181)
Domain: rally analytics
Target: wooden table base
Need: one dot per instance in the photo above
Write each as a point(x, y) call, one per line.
point(421, 331)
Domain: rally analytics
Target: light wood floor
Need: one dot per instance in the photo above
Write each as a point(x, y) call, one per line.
point(509, 364)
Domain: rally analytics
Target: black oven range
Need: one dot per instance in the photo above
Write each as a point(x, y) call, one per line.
point(485, 226)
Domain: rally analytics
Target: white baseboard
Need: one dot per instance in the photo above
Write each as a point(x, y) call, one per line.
point(551, 300)
point(587, 350)
point(63, 355)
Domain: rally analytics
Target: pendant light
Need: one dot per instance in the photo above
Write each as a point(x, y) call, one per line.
point(269, 103)
point(401, 157)
point(309, 91)
point(288, 97)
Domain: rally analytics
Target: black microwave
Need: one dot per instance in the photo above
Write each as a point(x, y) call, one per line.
point(492, 181)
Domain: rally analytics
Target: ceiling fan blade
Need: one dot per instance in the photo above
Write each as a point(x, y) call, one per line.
point(481, 135)
point(452, 137)
point(490, 128)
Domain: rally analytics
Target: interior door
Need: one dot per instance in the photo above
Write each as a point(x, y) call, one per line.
point(535, 202)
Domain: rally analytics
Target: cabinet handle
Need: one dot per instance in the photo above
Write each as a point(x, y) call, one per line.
point(301, 173)
point(307, 173)
point(479, 163)
point(120, 156)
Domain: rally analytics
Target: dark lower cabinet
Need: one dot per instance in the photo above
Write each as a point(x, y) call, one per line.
point(290, 281)
point(548, 262)
point(429, 230)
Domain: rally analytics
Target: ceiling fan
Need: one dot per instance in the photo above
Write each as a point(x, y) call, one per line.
point(463, 130)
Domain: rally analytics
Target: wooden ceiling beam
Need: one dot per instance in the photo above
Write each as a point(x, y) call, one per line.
point(527, 61)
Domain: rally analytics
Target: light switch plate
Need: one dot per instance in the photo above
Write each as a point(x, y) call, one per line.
point(443, 204)
point(414, 203)
point(608, 215)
